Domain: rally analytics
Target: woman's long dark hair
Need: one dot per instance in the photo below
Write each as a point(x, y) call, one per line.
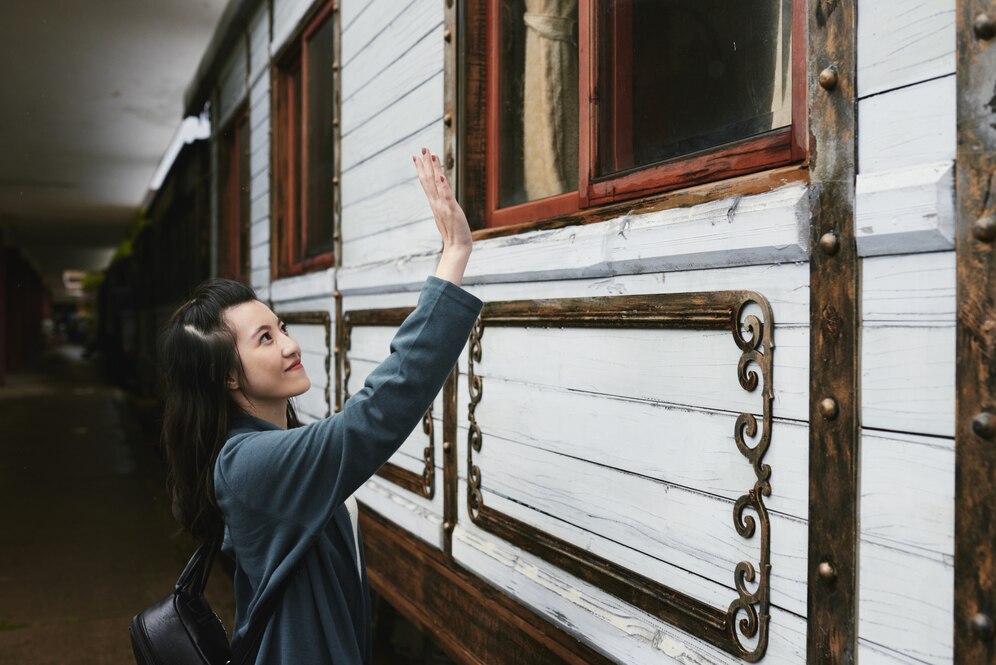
point(198, 355)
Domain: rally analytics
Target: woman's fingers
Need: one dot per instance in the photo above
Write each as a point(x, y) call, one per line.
point(426, 176)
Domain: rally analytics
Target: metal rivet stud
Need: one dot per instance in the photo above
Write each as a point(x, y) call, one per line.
point(449, 161)
point(984, 27)
point(982, 627)
point(335, 66)
point(984, 425)
point(829, 243)
point(448, 526)
point(447, 446)
point(828, 78)
point(984, 229)
point(335, 180)
point(335, 122)
point(449, 3)
point(829, 408)
point(826, 572)
point(448, 34)
point(448, 119)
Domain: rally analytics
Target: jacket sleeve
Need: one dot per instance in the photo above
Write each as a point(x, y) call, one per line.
point(302, 475)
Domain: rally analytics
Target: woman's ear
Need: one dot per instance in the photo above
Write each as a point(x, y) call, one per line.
point(233, 383)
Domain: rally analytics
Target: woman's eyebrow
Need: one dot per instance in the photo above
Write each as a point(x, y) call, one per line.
point(265, 326)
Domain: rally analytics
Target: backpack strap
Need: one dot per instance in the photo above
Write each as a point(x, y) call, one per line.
point(195, 576)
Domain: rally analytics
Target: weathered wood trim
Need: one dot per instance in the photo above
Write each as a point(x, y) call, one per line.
point(450, 471)
point(748, 615)
point(473, 621)
point(423, 484)
point(975, 411)
point(834, 322)
point(316, 318)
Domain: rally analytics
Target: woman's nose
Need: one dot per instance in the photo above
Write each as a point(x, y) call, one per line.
point(291, 347)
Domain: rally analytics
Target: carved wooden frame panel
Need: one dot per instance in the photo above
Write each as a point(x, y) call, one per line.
point(721, 310)
point(316, 318)
point(423, 484)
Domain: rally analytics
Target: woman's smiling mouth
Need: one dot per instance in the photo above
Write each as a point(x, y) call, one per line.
point(294, 365)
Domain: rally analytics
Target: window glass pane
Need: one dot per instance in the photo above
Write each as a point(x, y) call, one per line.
point(679, 76)
point(320, 141)
point(538, 99)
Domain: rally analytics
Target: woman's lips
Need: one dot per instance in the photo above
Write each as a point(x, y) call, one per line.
point(295, 365)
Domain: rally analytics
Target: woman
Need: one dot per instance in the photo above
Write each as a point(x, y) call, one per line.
point(280, 494)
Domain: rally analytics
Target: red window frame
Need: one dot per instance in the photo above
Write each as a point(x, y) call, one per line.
point(780, 147)
point(233, 208)
point(290, 128)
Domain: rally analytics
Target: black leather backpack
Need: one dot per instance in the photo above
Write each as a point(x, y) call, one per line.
point(182, 629)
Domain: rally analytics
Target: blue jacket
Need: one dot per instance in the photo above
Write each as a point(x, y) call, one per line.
point(282, 491)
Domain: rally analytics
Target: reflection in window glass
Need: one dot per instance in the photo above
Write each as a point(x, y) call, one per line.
point(538, 99)
point(320, 141)
point(679, 76)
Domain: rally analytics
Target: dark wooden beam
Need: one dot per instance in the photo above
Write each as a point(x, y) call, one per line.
point(975, 424)
point(834, 321)
point(475, 623)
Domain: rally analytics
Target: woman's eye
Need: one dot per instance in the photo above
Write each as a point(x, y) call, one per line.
point(264, 337)
point(283, 328)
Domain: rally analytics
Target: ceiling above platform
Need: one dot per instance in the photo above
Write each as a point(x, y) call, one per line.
point(92, 97)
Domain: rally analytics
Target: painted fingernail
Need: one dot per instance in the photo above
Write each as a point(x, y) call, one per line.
point(425, 150)
point(435, 158)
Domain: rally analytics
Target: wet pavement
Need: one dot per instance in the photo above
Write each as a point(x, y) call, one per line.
point(86, 536)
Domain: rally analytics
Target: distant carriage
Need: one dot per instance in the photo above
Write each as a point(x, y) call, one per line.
point(709, 411)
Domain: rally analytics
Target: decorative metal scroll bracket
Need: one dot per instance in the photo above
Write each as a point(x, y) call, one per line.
point(422, 484)
point(742, 628)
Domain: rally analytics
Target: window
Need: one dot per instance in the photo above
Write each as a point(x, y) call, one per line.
point(591, 102)
point(233, 198)
point(305, 131)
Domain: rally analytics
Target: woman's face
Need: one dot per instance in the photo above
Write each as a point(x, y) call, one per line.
point(271, 359)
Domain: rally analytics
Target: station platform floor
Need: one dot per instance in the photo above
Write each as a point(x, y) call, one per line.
point(86, 534)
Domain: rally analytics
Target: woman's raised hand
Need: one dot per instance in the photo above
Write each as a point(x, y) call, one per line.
point(450, 218)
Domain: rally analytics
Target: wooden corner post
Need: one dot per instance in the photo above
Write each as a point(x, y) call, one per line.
point(975, 411)
point(834, 320)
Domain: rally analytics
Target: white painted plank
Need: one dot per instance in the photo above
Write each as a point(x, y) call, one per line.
point(387, 127)
point(906, 127)
point(420, 237)
point(388, 169)
point(686, 447)
point(766, 228)
point(310, 337)
point(259, 255)
point(405, 509)
point(351, 10)
point(602, 621)
point(307, 305)
point(905, 602)
point(912, 289)
point(398, 206)
point(259, 233)
point(900, 44)
point(420, 63)
point(587, 505)
point(906, 210)
point(907, 491)
point(259, 42)
point(870, 653)
point(907, 378)
point(678, 367)
point(288, 16)
point(310, 285)
point(260, 280)
point(384, 32)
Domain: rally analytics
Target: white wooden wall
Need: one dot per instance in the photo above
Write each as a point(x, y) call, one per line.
point(620, 441)
point(905, 207)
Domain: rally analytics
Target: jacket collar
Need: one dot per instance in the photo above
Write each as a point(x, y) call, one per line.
point(241, 422)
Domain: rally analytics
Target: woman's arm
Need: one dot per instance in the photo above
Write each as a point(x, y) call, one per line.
point(450, 218)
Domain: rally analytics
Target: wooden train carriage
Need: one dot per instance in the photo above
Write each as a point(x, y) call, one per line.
point(736, 258)
point(168, 258)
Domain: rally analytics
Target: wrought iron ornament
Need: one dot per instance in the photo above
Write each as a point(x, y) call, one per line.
point(742, 629)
